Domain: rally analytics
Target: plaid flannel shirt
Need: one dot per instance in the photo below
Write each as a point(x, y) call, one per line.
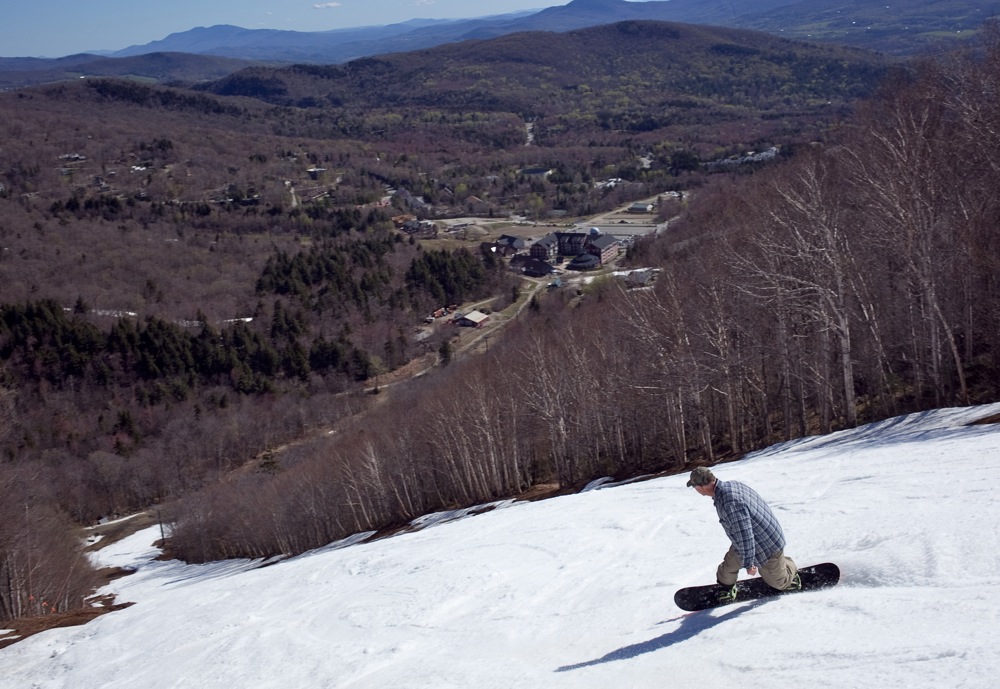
point(749, 523)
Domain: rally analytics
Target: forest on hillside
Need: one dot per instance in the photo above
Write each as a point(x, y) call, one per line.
point(909, 29)
point(192, 282)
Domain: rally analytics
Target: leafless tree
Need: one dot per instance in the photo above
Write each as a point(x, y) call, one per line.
point(804, 262)
point(900, 171)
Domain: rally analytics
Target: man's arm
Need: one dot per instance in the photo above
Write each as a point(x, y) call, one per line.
point(740, 531)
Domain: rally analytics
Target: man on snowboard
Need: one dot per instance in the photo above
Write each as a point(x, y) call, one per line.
point(756, 536)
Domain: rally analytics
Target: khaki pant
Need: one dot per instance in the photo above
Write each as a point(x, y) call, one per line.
point(777, 572)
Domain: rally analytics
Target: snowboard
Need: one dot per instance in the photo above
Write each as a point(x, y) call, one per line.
point(704, 597)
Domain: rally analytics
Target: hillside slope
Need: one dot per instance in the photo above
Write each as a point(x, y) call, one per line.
point(548, 73)
point(898, 29)
point(577, 591)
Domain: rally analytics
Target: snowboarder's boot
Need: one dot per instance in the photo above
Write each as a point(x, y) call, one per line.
point(796, 584)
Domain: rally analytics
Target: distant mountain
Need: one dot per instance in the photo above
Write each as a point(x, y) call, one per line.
point(155, 67)
point(898, 29)
point(333, 47)
point(272, 45)
point(874, 24)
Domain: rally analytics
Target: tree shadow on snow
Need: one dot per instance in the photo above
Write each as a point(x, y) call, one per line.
point(691, 625)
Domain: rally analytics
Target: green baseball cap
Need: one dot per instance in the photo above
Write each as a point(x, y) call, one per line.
point(701, 476)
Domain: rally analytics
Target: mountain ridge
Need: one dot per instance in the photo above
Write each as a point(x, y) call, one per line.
point(508, 68)
point(863, 23)
point(412, 35)
point(859, 23)
point(340, 45)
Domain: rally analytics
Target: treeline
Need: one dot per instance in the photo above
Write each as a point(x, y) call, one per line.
point(173, 99)
point(43, 569)
point(332, 268)
point(43, 341)
point(39, 342)
point(451, 277)
point(857, 281)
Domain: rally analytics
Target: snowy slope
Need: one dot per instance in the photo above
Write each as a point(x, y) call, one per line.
point(577, 591)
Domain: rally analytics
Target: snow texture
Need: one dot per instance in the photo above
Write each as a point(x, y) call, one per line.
point(577, 591)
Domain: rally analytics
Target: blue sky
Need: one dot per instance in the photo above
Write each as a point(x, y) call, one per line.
point(54, 28)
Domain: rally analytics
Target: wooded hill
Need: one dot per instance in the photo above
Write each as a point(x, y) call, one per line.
point(909, 28)
point(632, 76)
point(164, 67)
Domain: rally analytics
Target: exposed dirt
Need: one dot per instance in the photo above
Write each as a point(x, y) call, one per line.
point(993, 418)
point(98, 605)
point(112, 532)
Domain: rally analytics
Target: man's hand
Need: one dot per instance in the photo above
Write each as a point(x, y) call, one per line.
point(752, 571)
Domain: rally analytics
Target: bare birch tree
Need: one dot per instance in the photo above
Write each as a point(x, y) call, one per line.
point(805, 259)
point(897, 169)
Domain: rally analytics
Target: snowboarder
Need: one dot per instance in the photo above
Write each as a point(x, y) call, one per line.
point(758, 543)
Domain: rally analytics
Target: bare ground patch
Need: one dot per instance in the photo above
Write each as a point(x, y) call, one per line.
point(97, 605)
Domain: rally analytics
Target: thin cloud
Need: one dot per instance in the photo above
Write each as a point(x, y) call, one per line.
point(326, 5)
